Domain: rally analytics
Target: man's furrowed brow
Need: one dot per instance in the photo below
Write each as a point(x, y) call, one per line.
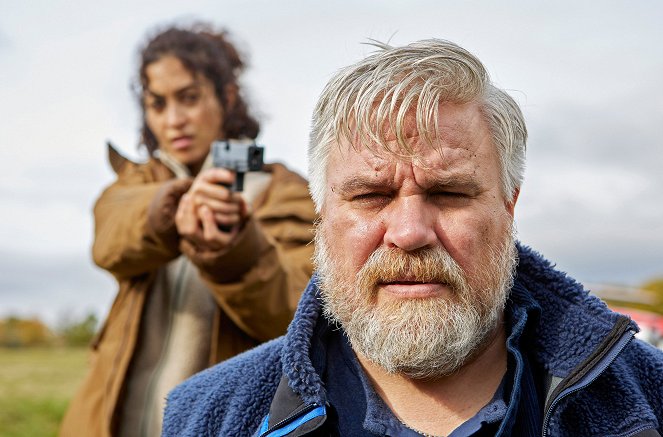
point(361, 183)
point(465, 182)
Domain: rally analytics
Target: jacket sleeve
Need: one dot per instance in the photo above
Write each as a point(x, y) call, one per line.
point(128, 240)
point(258, 282)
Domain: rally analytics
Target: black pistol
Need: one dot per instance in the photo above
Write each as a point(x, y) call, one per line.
point(239, 157)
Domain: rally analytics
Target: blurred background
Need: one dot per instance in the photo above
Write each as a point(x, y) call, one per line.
point(587, 75)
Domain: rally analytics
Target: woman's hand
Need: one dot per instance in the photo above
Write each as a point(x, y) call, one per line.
point(163, 207)
point(207, 205)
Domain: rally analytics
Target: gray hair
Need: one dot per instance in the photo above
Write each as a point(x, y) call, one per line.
point(372, 97)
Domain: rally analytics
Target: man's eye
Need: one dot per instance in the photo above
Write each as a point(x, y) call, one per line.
point(371, 198)
point(450, 197)
point(449, 194)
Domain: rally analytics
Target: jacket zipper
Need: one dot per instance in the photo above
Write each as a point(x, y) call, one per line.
point(290, 418)
point(612, 354)
point(640, 429)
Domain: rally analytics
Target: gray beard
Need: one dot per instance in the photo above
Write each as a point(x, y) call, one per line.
point(419, 338)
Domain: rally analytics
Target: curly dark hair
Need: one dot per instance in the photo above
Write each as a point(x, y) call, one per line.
point(205, 51)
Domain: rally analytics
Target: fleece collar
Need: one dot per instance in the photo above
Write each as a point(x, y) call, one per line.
point(573, 322)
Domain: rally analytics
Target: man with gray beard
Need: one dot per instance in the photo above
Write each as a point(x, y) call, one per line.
point(425, 317)
point(424, 337)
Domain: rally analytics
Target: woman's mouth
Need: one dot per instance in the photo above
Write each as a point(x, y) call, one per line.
point(181, 143)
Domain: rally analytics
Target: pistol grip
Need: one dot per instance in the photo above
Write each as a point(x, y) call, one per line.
point(236, 186)
point(226, 228)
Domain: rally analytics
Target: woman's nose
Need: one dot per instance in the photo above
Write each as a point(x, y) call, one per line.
point(175, 115)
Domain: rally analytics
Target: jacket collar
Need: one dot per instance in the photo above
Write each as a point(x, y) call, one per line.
point(180, 170)
point(562, 344)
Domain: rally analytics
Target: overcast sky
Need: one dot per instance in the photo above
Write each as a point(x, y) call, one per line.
point(587, 74)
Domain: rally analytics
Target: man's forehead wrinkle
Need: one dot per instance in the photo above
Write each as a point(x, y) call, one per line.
point(454, 160)
point(376, 162)
point(456, 136)
point(441, 155)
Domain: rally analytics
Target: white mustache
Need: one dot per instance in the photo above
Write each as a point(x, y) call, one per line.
point(425, 265)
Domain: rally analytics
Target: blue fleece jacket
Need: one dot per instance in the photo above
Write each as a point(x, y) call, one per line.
point(600, 382)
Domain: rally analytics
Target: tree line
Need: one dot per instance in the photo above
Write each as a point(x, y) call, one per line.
point(16, 332)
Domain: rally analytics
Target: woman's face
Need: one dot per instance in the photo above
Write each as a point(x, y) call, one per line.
point(182, 111)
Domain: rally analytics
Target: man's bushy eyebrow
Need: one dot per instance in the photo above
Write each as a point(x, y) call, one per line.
point(359, 182)
point(454, 181)
point(464, 181)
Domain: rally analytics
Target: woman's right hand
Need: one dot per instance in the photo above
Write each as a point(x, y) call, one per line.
point(208, 204)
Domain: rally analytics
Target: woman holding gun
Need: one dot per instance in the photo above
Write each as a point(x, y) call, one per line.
point(204, 273)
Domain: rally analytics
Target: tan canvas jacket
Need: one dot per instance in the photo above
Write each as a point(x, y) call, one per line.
point(256, 284)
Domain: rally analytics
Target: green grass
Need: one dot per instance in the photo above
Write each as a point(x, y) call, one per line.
point(35, 387)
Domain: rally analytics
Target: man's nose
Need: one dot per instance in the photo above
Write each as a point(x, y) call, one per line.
point(410, 225)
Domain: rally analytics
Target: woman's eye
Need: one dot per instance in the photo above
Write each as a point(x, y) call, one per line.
point(156, 105)
point(190, 98)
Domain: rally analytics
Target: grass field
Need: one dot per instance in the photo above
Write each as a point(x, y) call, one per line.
point(35, 388)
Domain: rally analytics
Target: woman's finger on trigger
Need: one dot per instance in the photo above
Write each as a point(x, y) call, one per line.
point(227, 219)
point(217, 175)
point(215, 192)
point(222, 207)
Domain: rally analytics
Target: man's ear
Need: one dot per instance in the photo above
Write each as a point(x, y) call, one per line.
point(511, 205)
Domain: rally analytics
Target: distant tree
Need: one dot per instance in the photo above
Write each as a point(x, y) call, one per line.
point(79, 332)
point(17, 332)
point(9, 332)
point(655, 286)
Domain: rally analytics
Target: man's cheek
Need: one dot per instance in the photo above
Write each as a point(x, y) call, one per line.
point(467, 240)
point(353, 238)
